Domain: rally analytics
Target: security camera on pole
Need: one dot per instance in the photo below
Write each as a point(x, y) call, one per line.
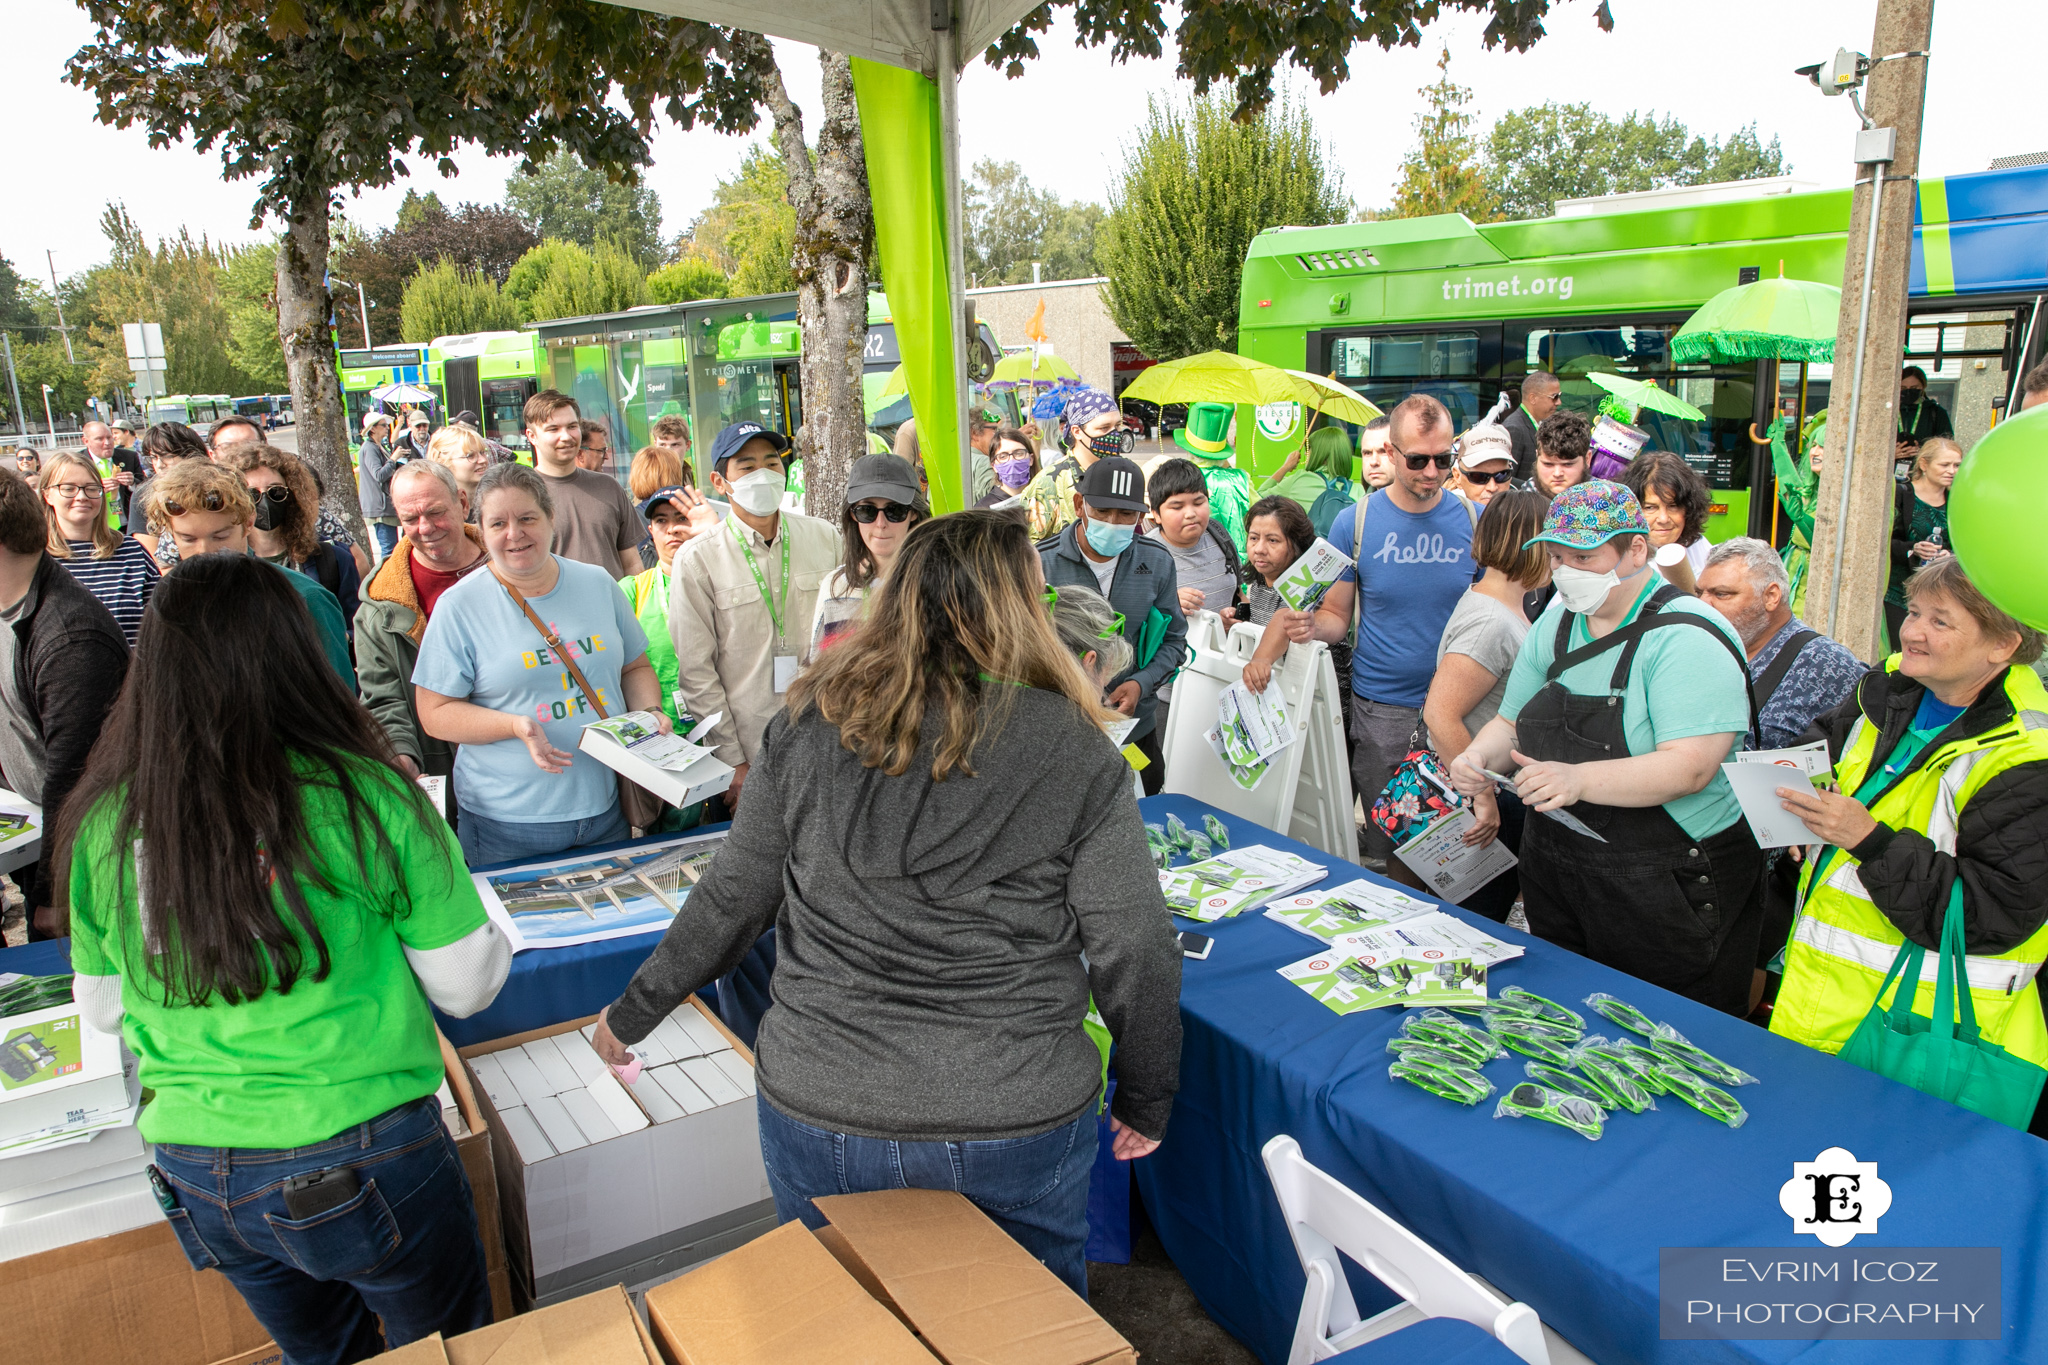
point(1851, 549)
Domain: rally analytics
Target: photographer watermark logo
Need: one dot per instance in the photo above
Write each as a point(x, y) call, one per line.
point(1835, 1197)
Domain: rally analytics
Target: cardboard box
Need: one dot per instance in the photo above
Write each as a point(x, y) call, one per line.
point(596, 1329)
point(703, 775)
point(628, 1207)
point(973, 1294)
point(969, 1293)
point(131, 1298)
point(780, 1297)
point(477, 1163)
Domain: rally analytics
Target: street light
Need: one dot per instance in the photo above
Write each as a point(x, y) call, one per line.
point(362, 307)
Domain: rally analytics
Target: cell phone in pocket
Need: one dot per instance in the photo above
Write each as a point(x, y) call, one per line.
point(1195, 945)
point(308, 1196)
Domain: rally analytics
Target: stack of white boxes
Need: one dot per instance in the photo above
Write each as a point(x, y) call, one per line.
point(604, 1182)
point(555, 1094)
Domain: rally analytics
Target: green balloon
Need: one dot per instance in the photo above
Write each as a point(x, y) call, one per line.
point(1995, 516)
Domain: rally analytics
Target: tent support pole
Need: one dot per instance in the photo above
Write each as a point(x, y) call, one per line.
point(947, 53)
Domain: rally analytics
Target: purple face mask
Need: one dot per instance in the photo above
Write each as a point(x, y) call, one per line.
point(1014, 473)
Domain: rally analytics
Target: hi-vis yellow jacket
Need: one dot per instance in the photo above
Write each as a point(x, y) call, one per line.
point(1973, 804)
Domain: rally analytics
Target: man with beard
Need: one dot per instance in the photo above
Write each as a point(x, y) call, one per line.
point(1798, 672)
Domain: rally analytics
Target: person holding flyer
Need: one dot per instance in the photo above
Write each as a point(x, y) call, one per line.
point(1278, 534)
point(1624, 699)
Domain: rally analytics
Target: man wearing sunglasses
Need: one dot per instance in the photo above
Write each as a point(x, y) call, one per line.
point(1413, 548)
point(1486, 464)
point(1102, 552)
point(743, 596)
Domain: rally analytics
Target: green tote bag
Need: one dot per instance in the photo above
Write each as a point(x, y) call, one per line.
point(1944, 1056)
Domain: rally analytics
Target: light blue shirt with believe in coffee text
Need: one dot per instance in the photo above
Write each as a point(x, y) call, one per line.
point(480, 646)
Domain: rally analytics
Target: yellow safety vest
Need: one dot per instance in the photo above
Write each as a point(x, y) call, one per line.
point(1842, 945)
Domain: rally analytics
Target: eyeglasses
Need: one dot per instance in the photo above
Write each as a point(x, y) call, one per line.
point(77, 492)
point(1116, 621)
point(866, 512)
point(277, 493)
point(1474, 476)
point(1442, 461)
point(212, 500)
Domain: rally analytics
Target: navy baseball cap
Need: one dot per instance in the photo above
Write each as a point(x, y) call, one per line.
point(728, 441)
point(1114, 484)
point(672, 494)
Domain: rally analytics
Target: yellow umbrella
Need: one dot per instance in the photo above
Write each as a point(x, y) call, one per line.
point(1221, 377)
point(1030, 366)
point(897, 386)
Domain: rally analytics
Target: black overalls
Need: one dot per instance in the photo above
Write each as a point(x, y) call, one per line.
point(1652, 901)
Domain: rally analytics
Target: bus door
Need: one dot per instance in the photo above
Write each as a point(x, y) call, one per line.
point(1456, 363)
point(503, 410)
point(459, 382)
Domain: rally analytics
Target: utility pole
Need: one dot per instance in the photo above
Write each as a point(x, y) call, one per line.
point(57, 297)
point(1851, 546)
point(13, 385)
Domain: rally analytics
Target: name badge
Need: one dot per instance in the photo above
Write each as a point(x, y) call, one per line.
point(785, 672)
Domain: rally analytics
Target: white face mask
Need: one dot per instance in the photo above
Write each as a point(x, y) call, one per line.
point(1581, 589)
point(759, 492)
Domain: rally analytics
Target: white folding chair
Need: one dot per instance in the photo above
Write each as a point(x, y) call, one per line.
point(1324, 1217)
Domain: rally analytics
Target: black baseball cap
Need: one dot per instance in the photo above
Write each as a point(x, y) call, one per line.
point(728, 441)
point(883, 476)
point(1114, 484)
point(673, 493)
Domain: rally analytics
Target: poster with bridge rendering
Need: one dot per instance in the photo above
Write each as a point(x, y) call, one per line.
point(587, 897)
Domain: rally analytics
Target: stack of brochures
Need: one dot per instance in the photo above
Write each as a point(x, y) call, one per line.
point(1236, 880)
point(673, 768)
point(1350, 908)
point(1423, 959)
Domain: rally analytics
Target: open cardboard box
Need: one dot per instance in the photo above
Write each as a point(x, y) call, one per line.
point(898, 1277)
point(633, 1207)
point(134, 1298)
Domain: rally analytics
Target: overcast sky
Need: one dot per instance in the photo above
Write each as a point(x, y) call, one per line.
point(1715, 67)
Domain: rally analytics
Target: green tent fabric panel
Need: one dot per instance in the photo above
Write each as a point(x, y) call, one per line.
point(899, 120)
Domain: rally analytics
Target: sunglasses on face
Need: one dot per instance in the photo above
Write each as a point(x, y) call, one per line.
point(212, 500)
point(1498, 476)
point(866, 512)
point(277, 493)
point(1442, 461)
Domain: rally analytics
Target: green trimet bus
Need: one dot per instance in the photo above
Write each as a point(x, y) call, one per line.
point(1459, 310)
point(491, 374)
point(363, 372)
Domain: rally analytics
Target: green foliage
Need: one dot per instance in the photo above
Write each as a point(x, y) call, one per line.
point(37, 363)
point(1441, 173)
point(447, 299)
point(1241, 43)
point(562, 280)
point(1537, 156)
point(186, 285)
point(565, 198)
point(251, 295)
point(1011, 223)
point(16, 307)
point(1196, 188)
point(417, 208)
point(693, 277)
point(750, 229)
point(487, 238)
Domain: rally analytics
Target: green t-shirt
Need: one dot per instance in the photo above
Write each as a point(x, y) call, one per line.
point(648, 593)
point(290, 1070)
point(1682, 684)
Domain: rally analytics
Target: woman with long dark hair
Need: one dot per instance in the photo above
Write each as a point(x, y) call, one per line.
point(939, 829)
point(264, 904)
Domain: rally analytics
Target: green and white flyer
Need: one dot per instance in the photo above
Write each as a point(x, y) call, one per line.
point(1234, 881)
point(1354, 907)
point(1308, 579)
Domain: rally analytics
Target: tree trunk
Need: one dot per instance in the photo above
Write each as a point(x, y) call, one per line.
point(835, 221)
point(303, 307)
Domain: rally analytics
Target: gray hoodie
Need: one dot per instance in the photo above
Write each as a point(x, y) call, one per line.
point(929, 982)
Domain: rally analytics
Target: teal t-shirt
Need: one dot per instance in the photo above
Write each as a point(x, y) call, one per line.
point(1683, 684)
point(295, 1069)
point(327, 623)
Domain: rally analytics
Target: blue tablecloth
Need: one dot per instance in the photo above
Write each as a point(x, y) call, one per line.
point(1436, 1341)
point(1570, 1227)
point(51, 957)
point(550, 985)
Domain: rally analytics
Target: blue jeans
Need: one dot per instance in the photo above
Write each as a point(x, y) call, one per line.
point(387, 539)
point(405, 1249)
point(486, 841)
point(1035, 1188)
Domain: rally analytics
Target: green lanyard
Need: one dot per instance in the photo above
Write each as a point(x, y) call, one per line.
point(774, 613)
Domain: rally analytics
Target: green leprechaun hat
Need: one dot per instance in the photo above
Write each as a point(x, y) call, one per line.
point(1207, 434)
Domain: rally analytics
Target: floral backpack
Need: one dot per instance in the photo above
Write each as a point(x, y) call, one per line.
point(1417, 795)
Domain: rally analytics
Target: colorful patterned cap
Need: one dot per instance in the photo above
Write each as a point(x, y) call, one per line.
point(1083, 404)
point(1588, 515)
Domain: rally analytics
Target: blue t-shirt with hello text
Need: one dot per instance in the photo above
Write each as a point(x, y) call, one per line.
point(479, 646)
point(1412, 570)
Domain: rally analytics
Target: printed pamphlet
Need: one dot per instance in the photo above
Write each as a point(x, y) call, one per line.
point(1451, 867)
point(53, 1067)
point(436, 788)
point(1389, 967)
point(1247, 776)
point(1235, 880)
point(1811, 759)
point(19, 823)
point(1435, 930)
point(673, 768)
point(1308, 579)
point(1253, 725)
point(1756, 789)
point(640, 734)
point(1351, 908)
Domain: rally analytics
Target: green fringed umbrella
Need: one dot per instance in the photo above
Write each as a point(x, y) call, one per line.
point(1776, 319)
point(1637, 394)
point(1223, 377)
